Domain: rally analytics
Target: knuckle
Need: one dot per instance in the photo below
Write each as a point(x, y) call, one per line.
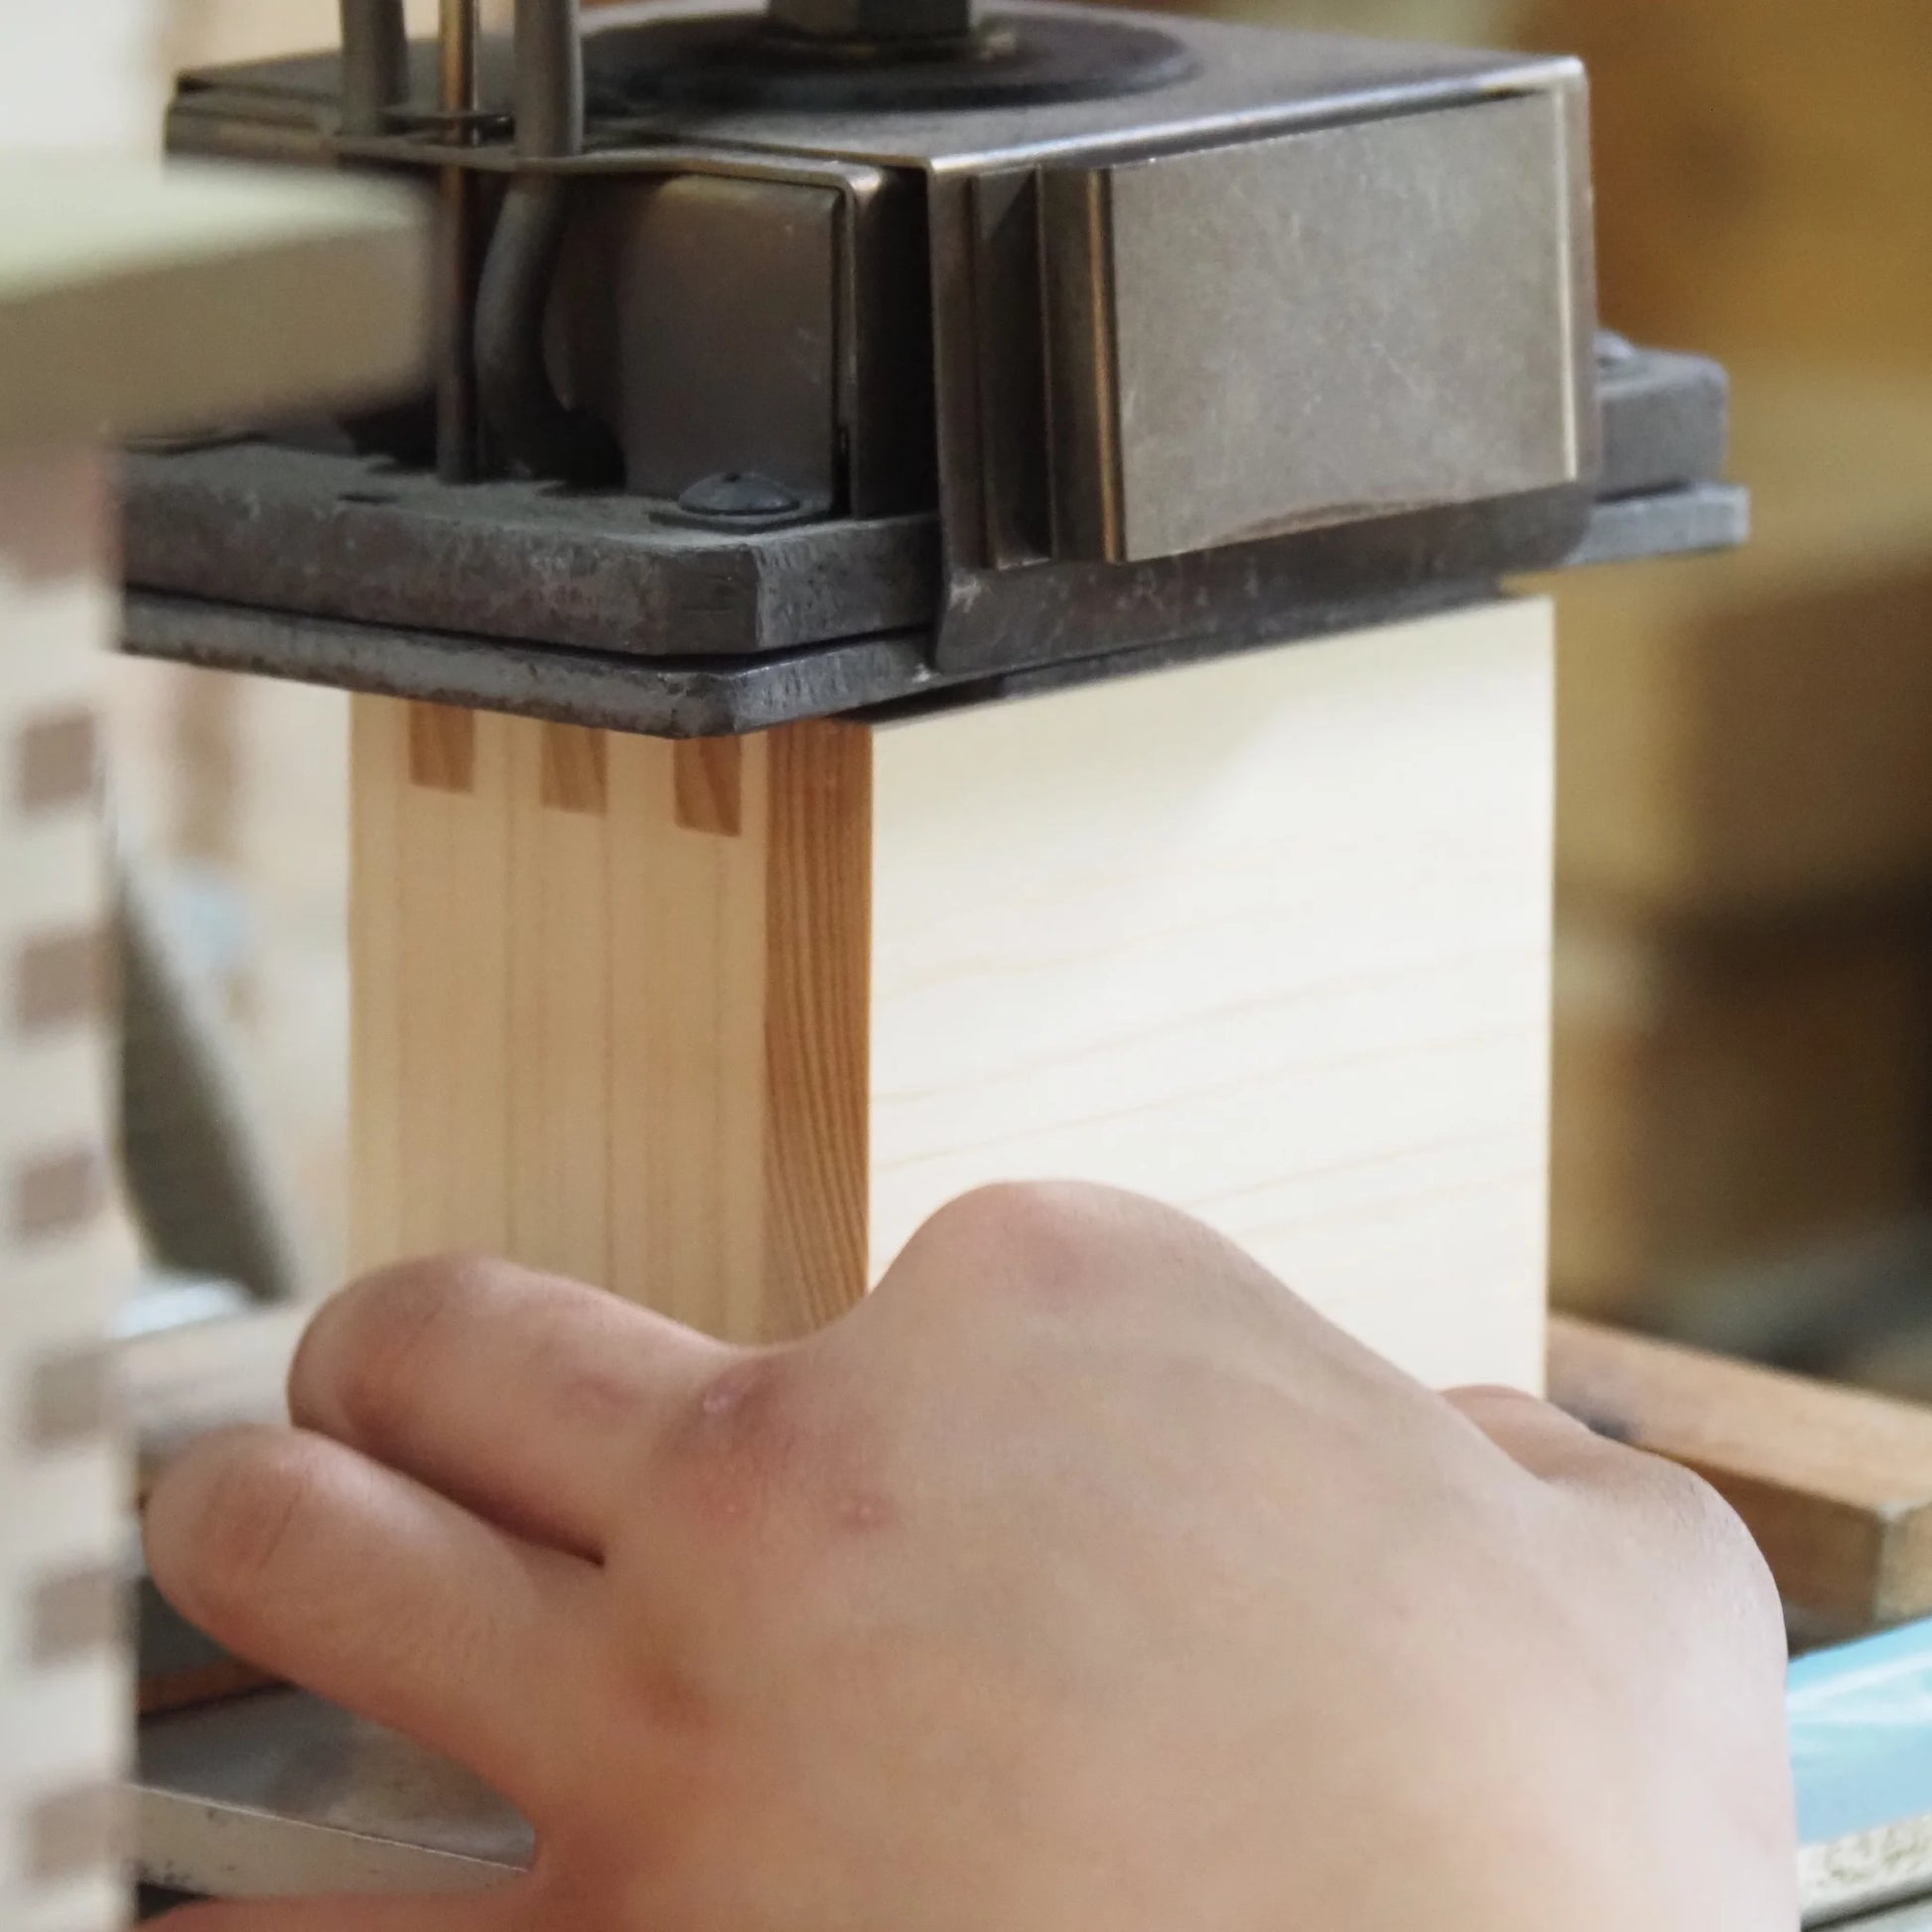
point(222, 1523)
point(1021, 1231)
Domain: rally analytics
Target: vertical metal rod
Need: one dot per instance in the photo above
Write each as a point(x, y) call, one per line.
point(520, 405)
point(376, 64)
point(456, 380)
point(549, 79)
point(461, 30)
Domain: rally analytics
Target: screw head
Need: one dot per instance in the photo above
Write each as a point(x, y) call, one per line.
point(739, 493)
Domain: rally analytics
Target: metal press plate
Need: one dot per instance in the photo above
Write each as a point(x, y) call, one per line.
point(1238, 81)
point(359, 539)
point(341, 570)
point(722, 697)
point(281, 1794)
point(1350, 322)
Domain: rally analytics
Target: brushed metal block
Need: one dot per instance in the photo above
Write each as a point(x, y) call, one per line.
point(1319, 327)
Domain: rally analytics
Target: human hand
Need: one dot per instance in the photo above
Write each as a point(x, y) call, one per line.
point(1080, 1578)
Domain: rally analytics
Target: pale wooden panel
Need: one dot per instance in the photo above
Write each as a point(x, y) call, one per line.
point(1267, 939)
point(379, 754)
point(254, 290)
point(63, 1486)
point(610, 1009)
point(561, 969)
point(455, 982)
point(79, 77)
point(203, 33)
point(687, 1108)
point(1835, 1484)
point(430, 1079)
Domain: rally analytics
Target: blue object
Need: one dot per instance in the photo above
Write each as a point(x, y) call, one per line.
point(1861, 1733)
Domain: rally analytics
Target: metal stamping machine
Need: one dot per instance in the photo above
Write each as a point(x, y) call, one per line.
point(824, 734)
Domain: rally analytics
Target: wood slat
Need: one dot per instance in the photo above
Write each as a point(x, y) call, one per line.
point(1835, 1484)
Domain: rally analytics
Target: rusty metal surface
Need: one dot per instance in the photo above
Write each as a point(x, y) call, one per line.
point(355, 540)
point(727, 696)
point(716, 698)
point(360, 539)
point(1410, 405)
point(704, 698)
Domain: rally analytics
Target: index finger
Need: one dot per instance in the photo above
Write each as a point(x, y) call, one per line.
point(529, 1398)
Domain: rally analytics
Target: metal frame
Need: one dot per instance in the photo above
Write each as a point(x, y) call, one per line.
point(333, 570)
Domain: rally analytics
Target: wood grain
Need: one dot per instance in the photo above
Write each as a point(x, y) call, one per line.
point(817, 1033)
point(442, 747)
point(687, 1109)
point(555, 1030)
point(1835, 1484)
point(608, 1040)
point(710, 776)
point(1267, 938)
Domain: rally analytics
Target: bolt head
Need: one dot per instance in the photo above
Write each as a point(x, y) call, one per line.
point(739, 495)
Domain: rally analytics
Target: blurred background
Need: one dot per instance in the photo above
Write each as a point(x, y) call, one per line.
point(1743, 1090)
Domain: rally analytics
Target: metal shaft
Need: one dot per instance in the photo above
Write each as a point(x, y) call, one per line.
point(376, 64)
point(528, 421)
point(456, 381)
point(549, 79)
point(461, 30)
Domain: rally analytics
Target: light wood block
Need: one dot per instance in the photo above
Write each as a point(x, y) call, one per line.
point(252, 289)
point(1835, 1484)
point(63, 1680)
point(1267, 939)
point(205, 32)
point(78, 78)
point(1731, 1100)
